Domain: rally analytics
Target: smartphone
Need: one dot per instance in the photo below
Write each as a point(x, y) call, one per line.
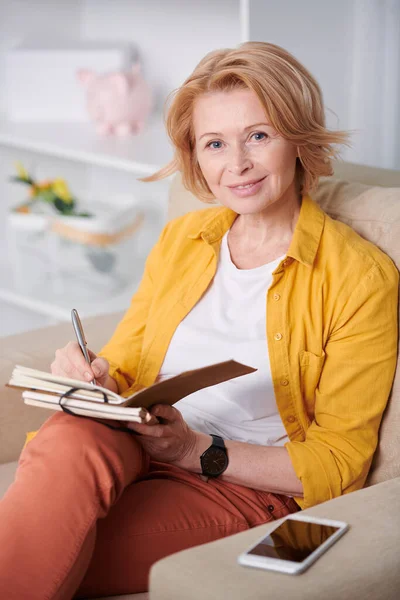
point(294, 544)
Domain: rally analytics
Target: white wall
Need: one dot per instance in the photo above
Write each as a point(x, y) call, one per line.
point(375, 82)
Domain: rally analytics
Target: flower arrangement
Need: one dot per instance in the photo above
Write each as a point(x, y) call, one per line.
point(53, 193)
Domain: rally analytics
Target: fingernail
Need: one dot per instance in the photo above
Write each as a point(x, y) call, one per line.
point(88, 376)
point(96, 371)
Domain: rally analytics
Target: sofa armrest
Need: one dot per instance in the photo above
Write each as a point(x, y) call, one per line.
point(364, 563)
point(36, 349)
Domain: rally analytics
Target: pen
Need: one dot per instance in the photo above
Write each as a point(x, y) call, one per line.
point(80, 336)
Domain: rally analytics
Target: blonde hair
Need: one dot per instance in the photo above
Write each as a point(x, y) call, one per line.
point(291, 97)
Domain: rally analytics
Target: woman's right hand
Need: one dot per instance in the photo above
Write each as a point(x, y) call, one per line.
point(70, 362)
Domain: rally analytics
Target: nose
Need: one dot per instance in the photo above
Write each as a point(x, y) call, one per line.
point(239, 161)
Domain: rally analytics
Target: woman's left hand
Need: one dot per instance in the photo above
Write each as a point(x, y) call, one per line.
point(171, 440)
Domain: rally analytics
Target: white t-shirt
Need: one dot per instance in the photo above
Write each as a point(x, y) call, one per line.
point(229, 321)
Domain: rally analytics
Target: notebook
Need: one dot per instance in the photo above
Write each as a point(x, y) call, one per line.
point(45, 390)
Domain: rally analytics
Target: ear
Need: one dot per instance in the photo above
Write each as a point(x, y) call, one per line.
point(119, 81)
point(85, 76)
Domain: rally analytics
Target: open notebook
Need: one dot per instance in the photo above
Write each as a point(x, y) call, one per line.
point(45, 390)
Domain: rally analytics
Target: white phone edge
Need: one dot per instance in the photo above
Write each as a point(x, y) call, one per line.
point(288, 566)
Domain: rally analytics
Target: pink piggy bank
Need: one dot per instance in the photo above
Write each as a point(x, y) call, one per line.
point(118, 102)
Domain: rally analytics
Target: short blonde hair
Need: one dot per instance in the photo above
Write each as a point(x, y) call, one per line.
point(291, 97)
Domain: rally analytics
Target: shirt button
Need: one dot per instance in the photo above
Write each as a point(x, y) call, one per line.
point(277, 297)
point(291, 419)
point(278, 336)
point(284, 382)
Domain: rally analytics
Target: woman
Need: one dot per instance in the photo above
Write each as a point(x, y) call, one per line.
point(268, 279)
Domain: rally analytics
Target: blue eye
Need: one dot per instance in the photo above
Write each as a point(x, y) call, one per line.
point(217, 145)
point(260, 133)
point(210, 145)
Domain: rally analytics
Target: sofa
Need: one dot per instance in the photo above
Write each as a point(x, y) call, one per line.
point(365, 563)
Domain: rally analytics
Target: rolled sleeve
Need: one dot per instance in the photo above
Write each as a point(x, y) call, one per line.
point(123, 381)
point(352, 392)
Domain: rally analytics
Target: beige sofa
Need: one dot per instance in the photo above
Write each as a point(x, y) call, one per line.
point(365, 563)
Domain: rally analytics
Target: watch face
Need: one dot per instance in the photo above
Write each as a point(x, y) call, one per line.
point(213, 461)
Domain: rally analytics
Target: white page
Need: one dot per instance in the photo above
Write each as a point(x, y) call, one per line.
point(20, 372)
point(33, 383)
point(105, 411)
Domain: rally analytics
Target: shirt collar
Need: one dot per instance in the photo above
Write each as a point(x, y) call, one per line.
point(306, 236)
point(307, 233)
point(214, 228)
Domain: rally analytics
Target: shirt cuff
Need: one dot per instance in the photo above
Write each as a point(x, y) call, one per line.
point(316, 468)
point(123, 381)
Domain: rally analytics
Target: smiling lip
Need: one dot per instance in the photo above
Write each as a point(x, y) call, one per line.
point(238, 185)
point(244, 192)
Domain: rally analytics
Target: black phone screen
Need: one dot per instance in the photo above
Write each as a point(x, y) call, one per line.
point(293, 540)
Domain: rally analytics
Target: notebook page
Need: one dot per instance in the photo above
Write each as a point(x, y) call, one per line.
point(34, 375)
point(80, 407)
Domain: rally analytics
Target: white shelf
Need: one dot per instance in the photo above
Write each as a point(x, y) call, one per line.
point(31, 281)
point(44, 301)
point(140, 154)
point(62, 312)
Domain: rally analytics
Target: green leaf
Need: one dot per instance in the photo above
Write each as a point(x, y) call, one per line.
point(84, 214)
point(65, 208)
point(28, 181)
point(47, 196)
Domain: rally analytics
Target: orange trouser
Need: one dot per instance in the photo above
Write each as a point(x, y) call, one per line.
point(89, 513)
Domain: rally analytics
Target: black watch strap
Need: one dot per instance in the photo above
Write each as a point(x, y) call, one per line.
point(218, 441)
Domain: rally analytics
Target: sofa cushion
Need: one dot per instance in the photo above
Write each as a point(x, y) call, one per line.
point(364, 563)
point(374, 212)
point(7, 472)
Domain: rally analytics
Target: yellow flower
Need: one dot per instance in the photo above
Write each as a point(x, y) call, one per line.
point(44, 185)
point(60, 188)
point(34, 190)
point(22, 172)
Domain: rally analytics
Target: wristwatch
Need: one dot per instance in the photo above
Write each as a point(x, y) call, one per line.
point(214, 460)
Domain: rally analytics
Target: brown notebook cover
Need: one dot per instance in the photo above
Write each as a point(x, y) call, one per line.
point(173, 389)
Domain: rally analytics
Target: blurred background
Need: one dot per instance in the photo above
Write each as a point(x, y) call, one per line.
point(83, 87)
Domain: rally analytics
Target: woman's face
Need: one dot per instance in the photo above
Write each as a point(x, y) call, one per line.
point(236, 147)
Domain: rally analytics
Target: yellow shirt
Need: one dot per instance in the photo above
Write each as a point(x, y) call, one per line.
point(331, 334)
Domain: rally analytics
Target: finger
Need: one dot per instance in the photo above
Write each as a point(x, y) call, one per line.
point(155, 431)
point(72, 365)
point(151, 419)
point(165, 411)
point(92, 355)
point(75, 356)
point(64, 367)
point(100, 367)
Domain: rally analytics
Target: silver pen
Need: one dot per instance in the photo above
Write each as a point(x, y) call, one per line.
point(80, 336)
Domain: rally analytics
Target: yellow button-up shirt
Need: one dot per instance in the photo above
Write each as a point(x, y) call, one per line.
point(331, 334)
